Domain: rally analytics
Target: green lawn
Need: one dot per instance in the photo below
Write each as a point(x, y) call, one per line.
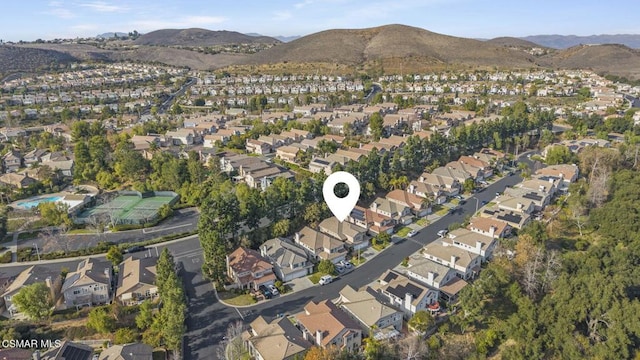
point(404, 231)
point(442, 212)
point(354, 260)
point(81, 231)
point(15, 224)
point(454, 201)
point(423, 222)
point(27, 235)
point(379, 247)
point(232, 298)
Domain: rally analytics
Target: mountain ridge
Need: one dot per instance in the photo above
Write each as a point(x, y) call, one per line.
point(199, 37)
point(566, 41)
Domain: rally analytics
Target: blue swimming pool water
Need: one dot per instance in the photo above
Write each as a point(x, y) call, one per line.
point(34, 203)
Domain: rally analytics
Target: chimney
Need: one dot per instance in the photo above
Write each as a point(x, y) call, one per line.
point(319, 337)
point(541, 188)
point(408, 298)
point(412, 189)
point(492, 231)
point(551, 180)
point(478, 246)
point(297, 236)
point(430, 277)
point(519, 206)
point(453, 261)
point(374, 206)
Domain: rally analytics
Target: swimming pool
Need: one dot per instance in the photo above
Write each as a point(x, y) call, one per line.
point(35, 202)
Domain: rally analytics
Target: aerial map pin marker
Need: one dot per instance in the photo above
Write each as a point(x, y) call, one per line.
point(341, 207)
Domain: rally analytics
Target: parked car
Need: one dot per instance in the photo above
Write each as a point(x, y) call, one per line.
point(326, 279)
point(443, 232)
point(339, 269)
point(483, 202)
point(265, 291)
point(412, 233)
point(347, 265)
point(459, 197)
point(482, 182)
point(134, 249)
point(462, 202)
point(274, 290)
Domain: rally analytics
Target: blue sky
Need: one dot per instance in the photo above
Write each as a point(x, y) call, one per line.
point(33, 19)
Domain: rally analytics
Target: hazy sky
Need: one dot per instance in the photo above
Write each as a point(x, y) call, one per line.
point(33, 19)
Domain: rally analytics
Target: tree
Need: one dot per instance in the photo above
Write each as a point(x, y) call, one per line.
point(376, 125)
point(558, 154)
point(469, 185)
point(55, 214)
point(421, 321)
point(281, 228)
point(314, 213)
point(144, 319)
point(114, 255)
point(101, 321)
point(125, 336)
point(3, 222)
point(326, 267)
point(383, 238)
point(34, 301)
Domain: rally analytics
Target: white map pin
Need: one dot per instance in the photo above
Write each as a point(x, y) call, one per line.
point(341, 207)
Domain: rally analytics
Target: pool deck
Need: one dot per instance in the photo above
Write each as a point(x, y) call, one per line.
point(60, 194)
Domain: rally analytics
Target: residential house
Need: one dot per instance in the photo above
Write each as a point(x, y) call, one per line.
point(18, 181)
point(66, 351)
point(448, 185)
point(145, 142)
point(465, 263)
point(182, 137)
point(248, 269)
point(324, 324)
point(404, 198)
point(34, 156)
point(16, 354)
point(32, 275)
point(540, 199)
point(434, 275)
point(318, 165)
point(452, 173)
point(492, 157)
point(257, 147)
point(275, 140)
point(278, 340)
point(516, 220)
point(287, 153)
point(90, 284)
point(321, 246)
point(401, 214)
point(133, 351)
point(485, 169)
point(11, 161)
point(568, 174)
point(424, 190)
point(64, 165)
point(516, 204)
point(289, 261)
point(371, 220)
point(137, 280)
point(473, 242)
point(408, 295)
point(8, 134)
point(373, 315)
point(490, 227)
point(547, 187)
point(353, 236)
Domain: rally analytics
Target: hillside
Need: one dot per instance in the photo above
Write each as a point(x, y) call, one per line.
point(608, 59)
point(199, 37)
point(391, 41)
point(567, 41)
point(17, 59)
point(513, 42)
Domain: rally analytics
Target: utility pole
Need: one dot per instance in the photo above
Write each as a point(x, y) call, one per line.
point(37, 251)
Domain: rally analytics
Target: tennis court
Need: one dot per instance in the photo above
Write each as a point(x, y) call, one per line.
point(130, 207)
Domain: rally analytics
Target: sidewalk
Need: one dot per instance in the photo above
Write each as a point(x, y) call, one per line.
point(78, 258)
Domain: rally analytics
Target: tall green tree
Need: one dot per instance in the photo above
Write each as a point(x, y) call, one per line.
point(34, 301)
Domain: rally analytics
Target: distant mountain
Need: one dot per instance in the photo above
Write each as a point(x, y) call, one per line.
point(199, 37)
point(18, 59)
point(279, 37)
point(109, 35)
point(604, 59)
point(513, 42)
point(567, 41)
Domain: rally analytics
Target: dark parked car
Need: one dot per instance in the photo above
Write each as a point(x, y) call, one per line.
point(134, 249)
point(265, 291)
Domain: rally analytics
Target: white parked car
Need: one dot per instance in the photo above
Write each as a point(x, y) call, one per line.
point(326, 279)
point(274, 290)
point(347, 265)
point(412, 233)
point(443, 232)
